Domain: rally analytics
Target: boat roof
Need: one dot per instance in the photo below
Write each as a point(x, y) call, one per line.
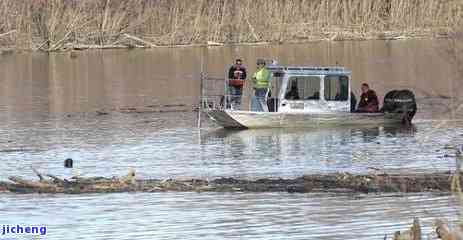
point(309, 70)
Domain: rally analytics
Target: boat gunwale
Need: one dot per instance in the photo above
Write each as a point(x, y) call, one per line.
point(336, 113)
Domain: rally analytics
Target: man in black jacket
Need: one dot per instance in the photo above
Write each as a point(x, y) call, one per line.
point(368, 100)
point(236, 78)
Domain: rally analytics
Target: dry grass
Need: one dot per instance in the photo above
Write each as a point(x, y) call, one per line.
point(54, 24)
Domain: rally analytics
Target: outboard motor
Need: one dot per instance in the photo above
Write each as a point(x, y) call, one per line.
point(400, 101)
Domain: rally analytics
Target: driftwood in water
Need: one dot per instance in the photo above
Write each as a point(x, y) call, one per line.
point(414, 233)
point(309, 183)
point(440, 227)
point(445, 233)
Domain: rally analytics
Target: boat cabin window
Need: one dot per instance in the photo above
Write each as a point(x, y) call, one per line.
point(275, 86)
point(302, 88)
point(336, 88)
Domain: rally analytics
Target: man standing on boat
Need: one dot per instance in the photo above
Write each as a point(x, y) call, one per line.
point(368, 100)
point(261, 84)
point(236, 78)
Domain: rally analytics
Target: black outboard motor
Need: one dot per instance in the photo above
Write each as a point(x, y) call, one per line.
point(400, 101)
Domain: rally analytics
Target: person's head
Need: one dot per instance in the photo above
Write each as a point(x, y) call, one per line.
point(260, 63)
point(68, 163)
point(365, 87)
point(238, 62)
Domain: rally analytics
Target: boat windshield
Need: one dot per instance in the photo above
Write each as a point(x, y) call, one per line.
point(303, 88)
point(275, 86)
point(336, 88)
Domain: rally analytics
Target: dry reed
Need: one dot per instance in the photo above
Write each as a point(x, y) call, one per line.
point(55, 24)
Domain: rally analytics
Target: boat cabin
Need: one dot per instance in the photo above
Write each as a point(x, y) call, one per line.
point(309, 89)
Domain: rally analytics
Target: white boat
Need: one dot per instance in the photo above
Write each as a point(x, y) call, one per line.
point(334, 107)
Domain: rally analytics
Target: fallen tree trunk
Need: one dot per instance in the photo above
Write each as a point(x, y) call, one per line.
point(418, 182)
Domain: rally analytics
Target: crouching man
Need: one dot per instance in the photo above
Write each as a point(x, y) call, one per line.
point(368, 100)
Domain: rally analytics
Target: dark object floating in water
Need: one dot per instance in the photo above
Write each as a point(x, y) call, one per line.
point(13, 150)
point(68, 163)
point(173, 105)
point(156, 109)
point(100, 113)
point(444, 96)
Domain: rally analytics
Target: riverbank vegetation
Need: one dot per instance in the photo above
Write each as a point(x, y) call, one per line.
point(51, 25)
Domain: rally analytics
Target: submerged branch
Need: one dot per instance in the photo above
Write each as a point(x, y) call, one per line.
point(139, 40)
point(8, 33)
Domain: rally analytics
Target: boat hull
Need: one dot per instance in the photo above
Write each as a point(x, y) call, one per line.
point(248, 119)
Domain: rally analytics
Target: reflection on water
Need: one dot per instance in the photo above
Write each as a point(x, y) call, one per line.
point(294, 152)
point(48, 107)
point(163, 146)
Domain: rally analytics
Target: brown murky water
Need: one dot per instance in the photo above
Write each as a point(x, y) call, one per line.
point(38, 83)
point(48, 111)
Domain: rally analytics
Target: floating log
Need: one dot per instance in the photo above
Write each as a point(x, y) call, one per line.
point(149, 44)
point(338, 182)
point(25, 186)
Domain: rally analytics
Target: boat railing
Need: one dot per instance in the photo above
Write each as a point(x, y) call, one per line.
point(216, 94)
point(212, 94)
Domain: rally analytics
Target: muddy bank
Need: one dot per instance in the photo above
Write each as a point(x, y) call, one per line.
point(339, 182)
point(129, 43)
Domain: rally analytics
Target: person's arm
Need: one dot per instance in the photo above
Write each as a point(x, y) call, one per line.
point(268, 75)
point(376, 99)
point(373, 104)
point(254, 80)
point(372, 98)
point(362, 103)
point(231, 72)
point(244, 73)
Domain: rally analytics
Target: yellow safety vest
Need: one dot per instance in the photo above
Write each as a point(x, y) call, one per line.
point(262, 78)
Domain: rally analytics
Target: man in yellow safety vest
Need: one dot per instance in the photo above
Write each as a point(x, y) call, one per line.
point(261, 85)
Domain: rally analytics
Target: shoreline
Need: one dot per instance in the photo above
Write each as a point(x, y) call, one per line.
point(138, 43)
point(56, 25)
